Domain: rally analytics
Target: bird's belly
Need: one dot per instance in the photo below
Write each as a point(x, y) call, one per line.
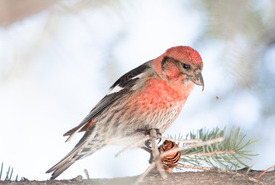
point(136, 130)
point(162, 118)
point(136, 126)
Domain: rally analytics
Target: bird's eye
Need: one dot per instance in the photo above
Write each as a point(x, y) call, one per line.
point(185, 66)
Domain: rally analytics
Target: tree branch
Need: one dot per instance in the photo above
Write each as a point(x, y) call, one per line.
point(183, 178)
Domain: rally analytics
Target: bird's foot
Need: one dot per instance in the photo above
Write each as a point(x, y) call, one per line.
point(157, 135)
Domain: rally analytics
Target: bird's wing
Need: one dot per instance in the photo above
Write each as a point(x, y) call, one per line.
point(120, 88)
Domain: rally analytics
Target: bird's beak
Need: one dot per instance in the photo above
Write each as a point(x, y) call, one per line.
point(198, 80)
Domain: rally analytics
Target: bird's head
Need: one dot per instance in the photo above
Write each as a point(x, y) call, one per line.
point(181, 64)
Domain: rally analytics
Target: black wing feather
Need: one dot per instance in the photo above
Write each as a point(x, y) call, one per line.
point(123, 81)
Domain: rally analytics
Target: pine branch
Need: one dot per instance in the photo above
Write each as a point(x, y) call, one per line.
point(228, 154)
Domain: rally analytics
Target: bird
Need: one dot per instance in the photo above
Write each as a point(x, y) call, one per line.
point(151, 96)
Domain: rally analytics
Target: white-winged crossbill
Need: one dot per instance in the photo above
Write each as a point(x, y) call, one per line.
point(150, 96)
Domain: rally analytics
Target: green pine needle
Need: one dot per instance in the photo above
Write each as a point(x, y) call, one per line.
point(228, 154)
point(9, 173)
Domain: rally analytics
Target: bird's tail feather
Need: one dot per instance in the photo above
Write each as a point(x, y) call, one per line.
point(83, 148)
point(67, 161)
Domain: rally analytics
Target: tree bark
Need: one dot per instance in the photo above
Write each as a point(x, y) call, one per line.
point(183, 178)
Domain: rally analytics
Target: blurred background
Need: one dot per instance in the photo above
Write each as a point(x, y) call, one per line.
point(58, 59)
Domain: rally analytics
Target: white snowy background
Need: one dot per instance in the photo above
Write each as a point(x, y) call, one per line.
point(57, 64)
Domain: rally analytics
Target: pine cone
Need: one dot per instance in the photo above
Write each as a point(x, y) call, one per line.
point(170, 161)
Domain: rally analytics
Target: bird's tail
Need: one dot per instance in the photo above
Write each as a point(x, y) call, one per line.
point(84, 147)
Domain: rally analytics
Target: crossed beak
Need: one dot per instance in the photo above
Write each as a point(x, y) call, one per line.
point(198, 80)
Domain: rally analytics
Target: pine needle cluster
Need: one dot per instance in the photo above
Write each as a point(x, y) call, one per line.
point(229, 154)
point(9, 173)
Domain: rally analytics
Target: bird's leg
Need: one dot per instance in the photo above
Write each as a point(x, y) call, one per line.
point(149, 150)
point(159, 135)
point(146, 149)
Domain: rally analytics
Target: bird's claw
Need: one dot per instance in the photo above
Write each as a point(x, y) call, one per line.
point(157, 136)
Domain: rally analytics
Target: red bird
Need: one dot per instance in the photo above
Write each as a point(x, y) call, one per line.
point(150, 96)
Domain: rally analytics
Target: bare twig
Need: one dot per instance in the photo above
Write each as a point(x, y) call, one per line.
point(194, 167)
point(212, 153)
point(209, 142)
point(265, 171)
point(145, 173)
point(155, 153)
point(131, 146)
point(87, 173)
point(156, 159)
point(182, 140)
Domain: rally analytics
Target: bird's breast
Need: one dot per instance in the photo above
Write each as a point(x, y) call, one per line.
point(156, 106)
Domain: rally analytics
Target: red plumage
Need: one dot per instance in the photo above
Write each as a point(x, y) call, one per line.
point(150, 96)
